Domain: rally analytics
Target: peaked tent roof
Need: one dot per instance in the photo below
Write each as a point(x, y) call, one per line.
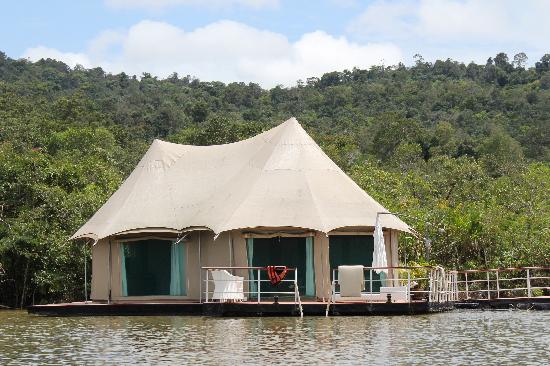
point(279, 178)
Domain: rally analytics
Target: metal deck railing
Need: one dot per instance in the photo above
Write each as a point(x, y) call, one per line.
point(503, 283)
point(245, 293)
point(432, 284)
point(408, 283)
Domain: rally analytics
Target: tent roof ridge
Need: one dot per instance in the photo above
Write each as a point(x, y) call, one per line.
point(255, 137)
point(262, 168)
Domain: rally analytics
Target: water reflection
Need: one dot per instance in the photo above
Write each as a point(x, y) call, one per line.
point(461, 337)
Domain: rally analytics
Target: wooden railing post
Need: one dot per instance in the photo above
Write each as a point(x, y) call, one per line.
point(409, 284)
point(206, 291)
point(455, 294)
point(498, 286)
point(259, 298)
point(440, 275)
point(430, 295)
point(467, 289)
point(528, 283)
point(488, 286)
point(370, 280)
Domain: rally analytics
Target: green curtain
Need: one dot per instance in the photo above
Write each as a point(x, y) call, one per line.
point(124, 283)
point(148, 267)
point(383, 279)
point(354, 250)
point(310, 274)
point(177, 270)
point(252, 286)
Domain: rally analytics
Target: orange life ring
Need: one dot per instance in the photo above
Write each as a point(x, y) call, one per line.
point(276, 274)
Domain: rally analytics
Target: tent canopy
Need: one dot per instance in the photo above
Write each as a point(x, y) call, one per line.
point(279, 178)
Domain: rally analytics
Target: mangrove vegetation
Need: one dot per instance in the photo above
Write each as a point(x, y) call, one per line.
point(461, 151)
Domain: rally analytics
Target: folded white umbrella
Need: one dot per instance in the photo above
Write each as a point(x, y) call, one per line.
point(379, 254)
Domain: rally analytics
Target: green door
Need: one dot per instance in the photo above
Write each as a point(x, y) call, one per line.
point(290, 252)
point(353, 250)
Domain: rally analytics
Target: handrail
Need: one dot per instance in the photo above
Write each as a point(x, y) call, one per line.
point(212, 268)
point(258, 282)
point(437, 285)
point(500, 269)
point(397, 267)
point(492, 283)
point(441, 285)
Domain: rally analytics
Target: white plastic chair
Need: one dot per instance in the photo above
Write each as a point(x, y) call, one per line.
point(227, 287)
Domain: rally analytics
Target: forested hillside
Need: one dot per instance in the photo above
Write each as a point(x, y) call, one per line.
point(462, 151)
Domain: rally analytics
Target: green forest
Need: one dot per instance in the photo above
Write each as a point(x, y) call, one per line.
point(462, 151)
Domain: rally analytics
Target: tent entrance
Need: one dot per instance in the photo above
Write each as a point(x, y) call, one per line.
point(293, 252)
point(152, 267)
point(353, 250)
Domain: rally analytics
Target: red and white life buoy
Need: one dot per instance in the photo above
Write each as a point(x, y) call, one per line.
point(276, 274)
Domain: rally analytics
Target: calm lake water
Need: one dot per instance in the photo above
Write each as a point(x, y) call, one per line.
point(455, 338)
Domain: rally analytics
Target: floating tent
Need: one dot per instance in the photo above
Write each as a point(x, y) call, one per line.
point(230, 205)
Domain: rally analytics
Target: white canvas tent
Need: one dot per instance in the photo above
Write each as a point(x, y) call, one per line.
point(276, 184)
point(280, 178)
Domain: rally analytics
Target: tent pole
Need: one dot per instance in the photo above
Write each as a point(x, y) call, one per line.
point(110, 270)
point(390, 271)
point(85, 274)
point(200, 270)
point(230, 251)
point(322, 266)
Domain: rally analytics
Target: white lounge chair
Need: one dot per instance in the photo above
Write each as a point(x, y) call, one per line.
point(227, 287)
point(351, 280)
point(352, 284)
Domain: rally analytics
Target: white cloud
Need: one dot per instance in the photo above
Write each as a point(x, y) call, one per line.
point(316, 53)
point(345, 3)
point(225, 51)
point(70, 58)
point(162, 4)
point(462, 27)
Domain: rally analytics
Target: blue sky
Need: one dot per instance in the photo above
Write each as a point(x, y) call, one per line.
point(269, 41)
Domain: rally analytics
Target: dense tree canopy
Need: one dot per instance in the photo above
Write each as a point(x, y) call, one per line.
point(461, 151)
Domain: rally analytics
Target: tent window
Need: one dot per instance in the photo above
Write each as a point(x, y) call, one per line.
point(153, 267)
point(353, 250)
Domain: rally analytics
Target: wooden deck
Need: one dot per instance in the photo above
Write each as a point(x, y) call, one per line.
point(236, 309)
point(523, 303)
point(310, 308)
